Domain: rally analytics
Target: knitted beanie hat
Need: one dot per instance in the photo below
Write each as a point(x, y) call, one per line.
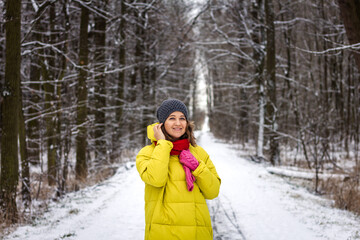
point(169, 106)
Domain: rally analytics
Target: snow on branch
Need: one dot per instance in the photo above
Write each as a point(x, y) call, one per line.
point(97, 11)
point(293, 21)
point(355, 46)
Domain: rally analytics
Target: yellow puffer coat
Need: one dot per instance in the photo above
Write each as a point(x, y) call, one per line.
point(171, 211)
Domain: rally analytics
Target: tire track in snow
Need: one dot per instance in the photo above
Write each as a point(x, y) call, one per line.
point(224, 220)
point(223, 216)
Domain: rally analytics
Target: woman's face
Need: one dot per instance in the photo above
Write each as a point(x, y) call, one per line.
point(175, 124)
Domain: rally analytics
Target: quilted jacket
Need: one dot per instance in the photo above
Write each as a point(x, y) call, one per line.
point(171, 211)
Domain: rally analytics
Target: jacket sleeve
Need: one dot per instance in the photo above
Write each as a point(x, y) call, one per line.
point(207, 178)
point(152, 163)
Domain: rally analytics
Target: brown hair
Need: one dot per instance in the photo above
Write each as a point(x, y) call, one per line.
point(189, 133)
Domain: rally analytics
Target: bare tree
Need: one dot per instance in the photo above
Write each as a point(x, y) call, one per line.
point(270, 76)
point(81, 120)
point(10, 112)
point(48, 71)
point(100, 84)
point(120, 101)
point(34, 112)
point(25, 168)
point(350, 14)
point(259, 59)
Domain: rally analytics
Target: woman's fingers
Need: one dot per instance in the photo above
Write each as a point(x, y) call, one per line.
point(158, 127)
point(158, 134)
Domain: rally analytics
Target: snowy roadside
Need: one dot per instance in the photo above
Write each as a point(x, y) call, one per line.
point(253, 204)
point(110, 210)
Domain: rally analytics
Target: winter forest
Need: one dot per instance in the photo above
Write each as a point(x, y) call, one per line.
point(80, 80)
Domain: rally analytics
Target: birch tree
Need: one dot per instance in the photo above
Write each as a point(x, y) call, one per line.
point(259, 59)
point(271, 105)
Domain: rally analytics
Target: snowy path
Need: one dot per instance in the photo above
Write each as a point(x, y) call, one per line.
point(253, 205)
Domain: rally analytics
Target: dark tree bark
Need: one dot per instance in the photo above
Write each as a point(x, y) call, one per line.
point(49, 87)
point(122, 61)
point(100, 86)
point(135, 71)
point(120, 86)
point(350, 14)
point(2, 63)
point(10, 112)
point(144, 58)
point(81, 138)
point(63, 120)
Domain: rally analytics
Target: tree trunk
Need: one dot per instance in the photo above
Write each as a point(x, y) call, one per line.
point(63, 143)
point(145, 89)
point(142, 59)
point(348, 109)
point(258, 56)
point(350, 14)
point(260, 141)
point(120, 87)
point(271, 107)
point(10, 112)
point(2, 63)
point(81, 138)
point(356, 110)
point(33, 125)
point(49, 87)
point(134, 74)
point(100, 91)
point(25, 171)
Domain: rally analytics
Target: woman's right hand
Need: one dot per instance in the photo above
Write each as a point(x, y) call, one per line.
point(158, 133)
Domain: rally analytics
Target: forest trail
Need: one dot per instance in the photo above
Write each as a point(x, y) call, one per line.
point(252, 205)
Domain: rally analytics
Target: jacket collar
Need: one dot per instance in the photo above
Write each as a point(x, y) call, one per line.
point(150, 132)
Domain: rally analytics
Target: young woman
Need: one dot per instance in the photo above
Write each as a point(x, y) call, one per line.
point(178, 176)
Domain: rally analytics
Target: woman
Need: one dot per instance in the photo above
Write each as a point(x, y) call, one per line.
point(178, 176)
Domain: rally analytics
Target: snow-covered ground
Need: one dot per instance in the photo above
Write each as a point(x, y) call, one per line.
point(252, 205)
